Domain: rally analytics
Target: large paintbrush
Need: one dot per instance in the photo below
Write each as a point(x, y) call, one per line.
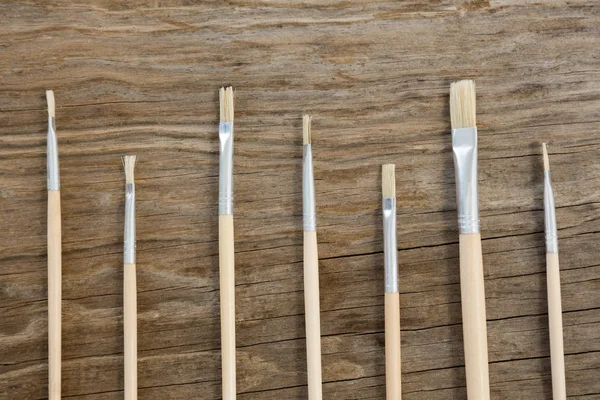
point(464, 147)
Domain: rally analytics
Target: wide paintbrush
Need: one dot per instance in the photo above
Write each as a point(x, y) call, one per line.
point(464, 147)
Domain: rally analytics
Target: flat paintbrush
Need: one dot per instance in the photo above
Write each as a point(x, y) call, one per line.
point(464, 147)
point(129, 283)
point(393, 371)
point(54, 257)
point(226, 245)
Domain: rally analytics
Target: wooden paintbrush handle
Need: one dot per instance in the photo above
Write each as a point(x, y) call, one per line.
point(227, 292)
point(474, 318)
point(392, 347)
point(130, 330)
point(312, 313)
point(557, 354)
point(54, 295)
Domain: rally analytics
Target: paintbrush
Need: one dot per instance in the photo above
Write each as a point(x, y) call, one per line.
point(226, 245)
point(392, 298)
point(557, 354)
point(464, 147)
point(311, 269)
point(54, 257)
point(129, 283)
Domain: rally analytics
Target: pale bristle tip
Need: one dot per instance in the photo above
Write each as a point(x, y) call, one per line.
point(463, 104)
point(129, 165)
point(388, 180)
point(51, 103)
point(226, 104)
point(306, 129)
point(546, 158)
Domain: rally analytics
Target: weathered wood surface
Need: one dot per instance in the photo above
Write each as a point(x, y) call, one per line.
point(142, 78)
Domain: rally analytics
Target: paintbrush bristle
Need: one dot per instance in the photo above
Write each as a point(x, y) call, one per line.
point(226, 103)
point(388, 180)
point(546, 159)
point(51, 104)
point(462, 104)
point(306, 122)
point(129, 165)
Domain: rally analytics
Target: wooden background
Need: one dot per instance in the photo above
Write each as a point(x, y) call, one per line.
point(141, 77)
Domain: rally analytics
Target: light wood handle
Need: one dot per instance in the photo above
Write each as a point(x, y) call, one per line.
point(54, 295)
point(393, 373)
point(557, 353)
point(130, 330)
point(472, 293)
point(227, 293)
point(312, 313)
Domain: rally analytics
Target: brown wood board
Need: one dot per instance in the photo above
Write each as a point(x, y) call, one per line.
point(141, 78)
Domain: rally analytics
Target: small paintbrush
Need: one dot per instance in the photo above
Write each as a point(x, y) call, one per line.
point(312, 307)
point(226, 245)
point(129, 283)
point(557, 353)
point(393, 371)
point(54, 257)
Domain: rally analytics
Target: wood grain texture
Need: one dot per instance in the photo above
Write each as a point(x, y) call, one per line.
point(142, 78)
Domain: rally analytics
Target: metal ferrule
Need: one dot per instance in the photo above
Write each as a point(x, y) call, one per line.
point(52, 157)
point(550, 216)
point(129, 236)
point(308, 191)
point(464, 147)
point(226, 168)
point(390, 247)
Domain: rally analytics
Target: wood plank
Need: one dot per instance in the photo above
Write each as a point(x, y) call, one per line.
point(142, 77)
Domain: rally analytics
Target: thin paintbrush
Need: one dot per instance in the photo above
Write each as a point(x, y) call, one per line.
point(226, 249)
point(129, 283)
point(557, 354)
point(464, 146)
point(311, 269)
point(54, 257)
point(393, 371)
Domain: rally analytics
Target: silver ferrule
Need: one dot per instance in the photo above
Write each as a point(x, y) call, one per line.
point(308, 191)
point(390, 249)
point(464, 147)
point(226, 168)
point(129, 236)
point(52, 157)
point(550, 216)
